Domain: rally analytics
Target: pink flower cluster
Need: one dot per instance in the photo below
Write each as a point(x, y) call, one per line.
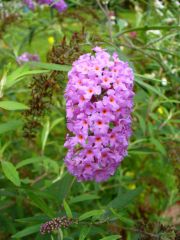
point(99, 101)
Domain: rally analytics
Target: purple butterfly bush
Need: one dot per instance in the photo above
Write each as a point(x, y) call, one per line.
point(30, 4)
point(99, 102)
point(26, 57)
point(60, 5)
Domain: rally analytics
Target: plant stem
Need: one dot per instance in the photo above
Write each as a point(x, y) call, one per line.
point(105, 10)
point(146, 28)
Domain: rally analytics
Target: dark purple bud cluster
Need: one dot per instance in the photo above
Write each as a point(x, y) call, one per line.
point(56, 223)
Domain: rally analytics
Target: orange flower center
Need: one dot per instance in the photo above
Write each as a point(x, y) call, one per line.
point(104, 111)
point(82, 98)
point(99, 122)
point(98, 139)
point(90, 90)
point(111, 99)
point(87, 166)
point(104, 154)
point(89, 152)
point(80, 137)
point(112, 136)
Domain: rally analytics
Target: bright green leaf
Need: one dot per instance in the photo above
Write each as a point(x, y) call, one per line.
point(12, 105)
point(51, 66)
point(45, 133)
point(11, 173)
point(84, 197)
point(84, 232)
point(112, 237)
point(19, 74)
point(2, 83)
point(27, 231)
point(158, 146)
point(10, 126)
point(40, 203)
point(61, 188)
point(123, 199)
point(30, 161)
point(67, 209)
point(150, 88)
point(89, 214)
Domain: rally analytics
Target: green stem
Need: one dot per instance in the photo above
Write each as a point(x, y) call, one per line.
point(146, 28)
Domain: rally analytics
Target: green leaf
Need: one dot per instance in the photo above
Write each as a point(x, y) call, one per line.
point(84, 232)
point(83, 197)
point(61, 188)
point(11, 172)
point(47, 163)
point(30, 161)
point(121, 24)
point(142, 123)
point(140, 151)
point(50, 165)
point(91, 214)
point(45, 133)
point(10, 126)
point(67, 209)
point(34, 220)
point(146, 28)
point(147, 78)
point(158, 146)
point(122, 218)
point(150, 88)
point(123, 199)
point(112, 237)
point(27, 231)
point(56, 122)
point(19, 74)
point(40, 203)
point(2, 83)
point(16, 75)
point(5, 222)
point(51, 66)
point(12, 105)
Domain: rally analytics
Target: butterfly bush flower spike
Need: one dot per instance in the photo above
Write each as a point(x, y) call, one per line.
point(99, 102)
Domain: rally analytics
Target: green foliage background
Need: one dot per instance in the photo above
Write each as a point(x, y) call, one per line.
point(34, 184)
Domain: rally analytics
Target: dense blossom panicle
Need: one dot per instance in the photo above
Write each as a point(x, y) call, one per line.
point(99, 101)
point(26, 57)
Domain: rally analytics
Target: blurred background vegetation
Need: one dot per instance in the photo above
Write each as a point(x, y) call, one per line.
point(141, 200)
